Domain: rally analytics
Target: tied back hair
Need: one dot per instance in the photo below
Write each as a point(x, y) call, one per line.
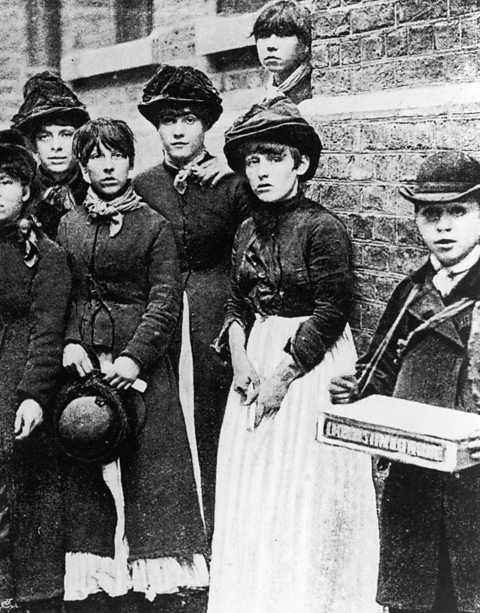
point(114, 134)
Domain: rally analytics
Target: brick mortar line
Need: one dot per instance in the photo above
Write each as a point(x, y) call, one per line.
point(348, 9)
point(385, 152)
point(357, 183)
point(433, 53)
point(386, 30)
point(401, 119)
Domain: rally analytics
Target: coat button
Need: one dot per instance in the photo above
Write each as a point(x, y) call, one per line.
point(457, 475)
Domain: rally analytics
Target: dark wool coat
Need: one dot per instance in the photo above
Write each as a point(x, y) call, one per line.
point(33, 304)
point(427, 515)
point(138, 275)
point(204, 221)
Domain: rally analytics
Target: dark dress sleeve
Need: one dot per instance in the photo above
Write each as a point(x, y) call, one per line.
point(237, 308)
point(50, 294)
point(153, 335)
point(329, 270)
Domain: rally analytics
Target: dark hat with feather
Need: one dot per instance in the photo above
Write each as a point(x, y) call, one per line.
point(46, 98)
point(176, 86)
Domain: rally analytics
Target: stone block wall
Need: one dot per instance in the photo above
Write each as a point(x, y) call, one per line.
point(366, 46)
point(391, 80)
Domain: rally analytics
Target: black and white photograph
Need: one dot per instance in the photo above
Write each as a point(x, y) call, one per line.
point(240, 306)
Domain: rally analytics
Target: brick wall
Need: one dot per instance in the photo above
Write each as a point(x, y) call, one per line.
point(368, 56)
point(366, 46)
point(236, 73)
point(90, 24)
point(364, 162)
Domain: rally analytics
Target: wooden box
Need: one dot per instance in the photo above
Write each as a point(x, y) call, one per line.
point(402, 430)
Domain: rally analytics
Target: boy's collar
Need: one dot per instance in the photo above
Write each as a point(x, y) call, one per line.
point(467, 287)
point(468, 261)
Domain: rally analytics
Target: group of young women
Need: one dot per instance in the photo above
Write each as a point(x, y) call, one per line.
point(182, 284)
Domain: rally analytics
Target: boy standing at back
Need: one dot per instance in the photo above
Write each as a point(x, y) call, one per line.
point(283, 36)
point(430, 521)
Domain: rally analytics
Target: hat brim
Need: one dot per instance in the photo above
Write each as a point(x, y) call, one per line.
point(440, 194)
point(76, 116)
point(151, 108)
point(116, 437)
point(293, 133)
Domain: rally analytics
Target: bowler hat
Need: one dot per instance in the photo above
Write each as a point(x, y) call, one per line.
point(93, 422)
point(444, 177)
point(46, 97)
point(279, 121)
point(179, 84)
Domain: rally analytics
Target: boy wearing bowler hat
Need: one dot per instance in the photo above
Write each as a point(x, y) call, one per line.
point(430, 522)
point(49, 115)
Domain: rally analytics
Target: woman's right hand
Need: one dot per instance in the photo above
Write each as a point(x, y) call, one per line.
point(76, 358)
point(245, 378)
